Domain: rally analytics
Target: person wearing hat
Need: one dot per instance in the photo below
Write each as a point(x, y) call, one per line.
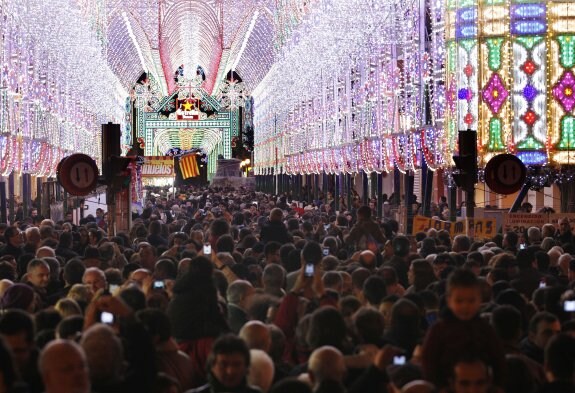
point(92, 257)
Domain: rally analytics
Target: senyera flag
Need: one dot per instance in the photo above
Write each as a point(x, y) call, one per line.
point(189, 166)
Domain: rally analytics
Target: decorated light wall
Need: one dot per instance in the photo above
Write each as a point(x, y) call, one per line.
point(509, 75)
point(347, 92)
point(56, 88)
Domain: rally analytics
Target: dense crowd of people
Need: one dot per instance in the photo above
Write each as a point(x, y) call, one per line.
point(237, 291)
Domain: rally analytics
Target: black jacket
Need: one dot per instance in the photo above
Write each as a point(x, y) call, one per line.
point(275, 231)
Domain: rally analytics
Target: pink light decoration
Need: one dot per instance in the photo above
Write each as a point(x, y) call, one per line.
point(495, 93)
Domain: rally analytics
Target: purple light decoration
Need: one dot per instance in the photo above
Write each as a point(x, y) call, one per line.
point(527, 27)
point(522, 11)
point(494, 93)
point(564, 91)
point(463, 94)
point(530, 92)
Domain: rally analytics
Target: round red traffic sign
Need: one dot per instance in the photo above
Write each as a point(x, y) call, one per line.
point(505, 174)
point(78, 174)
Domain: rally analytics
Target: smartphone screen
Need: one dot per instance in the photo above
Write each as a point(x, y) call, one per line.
point(113, 288)
point(399, 360)
point(309, 270)
point(207, 249)
point(569, 305)
point(107, 317)
point(159, 284)
point(325, 251)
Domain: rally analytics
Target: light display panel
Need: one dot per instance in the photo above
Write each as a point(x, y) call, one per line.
point(350, 102)
point(509, 74)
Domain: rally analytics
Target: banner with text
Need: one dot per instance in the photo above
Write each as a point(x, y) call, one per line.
point(521, 222)
point(158, 167)
point(483, 228)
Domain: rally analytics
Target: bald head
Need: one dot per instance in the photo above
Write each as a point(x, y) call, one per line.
point(44, 252)
point(64, 369)
point(256, 335)
point(104, 353)
point(261, 370)
point(326, 363)
point(418, 386)
point(367, 259)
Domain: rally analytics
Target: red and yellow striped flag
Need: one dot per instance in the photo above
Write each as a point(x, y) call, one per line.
point(189, 166)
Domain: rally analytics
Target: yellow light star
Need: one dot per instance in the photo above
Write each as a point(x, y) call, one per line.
point(187, 106)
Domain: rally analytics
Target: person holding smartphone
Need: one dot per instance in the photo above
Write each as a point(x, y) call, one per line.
point(308, 285)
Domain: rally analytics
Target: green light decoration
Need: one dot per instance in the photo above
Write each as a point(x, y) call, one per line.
point(567, 141)
point(494, 55)
point(529, 42)
point(468, 45)
point(493, 2)
point(567, 50)
point(451, 4)
point(495, 135)
point(451, 56)
point(530, 143)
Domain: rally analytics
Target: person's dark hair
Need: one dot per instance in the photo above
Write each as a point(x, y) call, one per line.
point(374, 290)
point(560, 357)
point(430, 299)
point(134, 298)
point(219, 227)
point(166, 269)
point(65, 240)
point(512, 239)
point(229, 344)
point(327, 327)
point(358, 277)
point(476, 256)
point(156, 323)
point(364, 212)
point(389, 275)
point(444, 258)
point(461, 278)
point(401, 246)
point(428, 246)
point(369, 324)
point(291, 385)
point(7, 271)
point(498, 287)
point(349, 305)
point(423, 274)
point(539, 317)
point(271, 247)
point(128, 269)
point(155, 227)
point(543, 261)
point(312, 253)
point(14, 322)
point(518, 375)
point(47, 319)
point(507, 321)
point(70, 327)
point(74, 271)
point(225, 243)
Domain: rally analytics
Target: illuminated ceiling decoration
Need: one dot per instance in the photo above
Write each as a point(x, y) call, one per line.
point(346, 92)
point(511, 77)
